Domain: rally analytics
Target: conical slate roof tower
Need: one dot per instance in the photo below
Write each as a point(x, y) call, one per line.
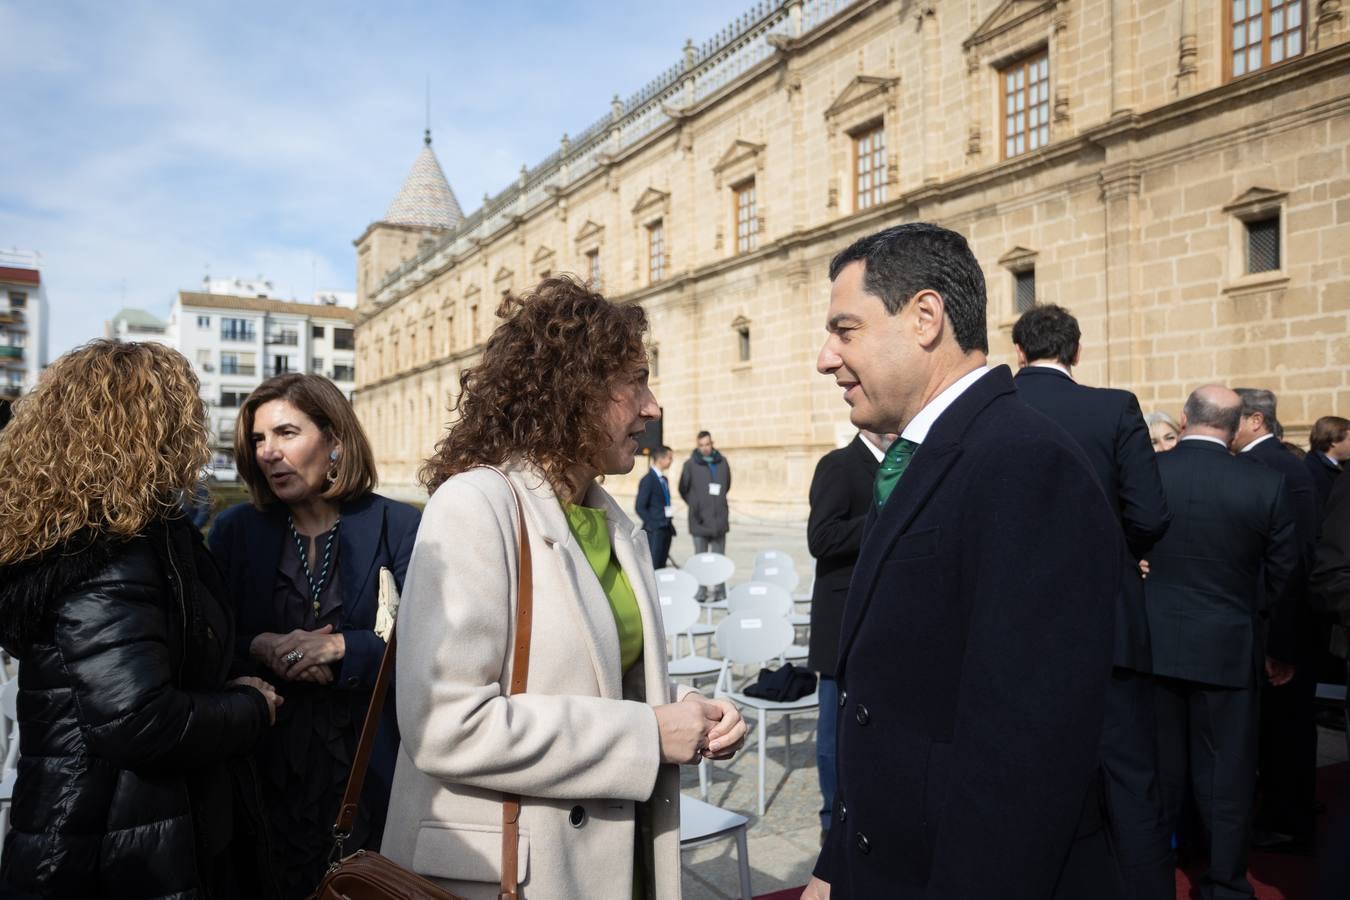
point(425, 200)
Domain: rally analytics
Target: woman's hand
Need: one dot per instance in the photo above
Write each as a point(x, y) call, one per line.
point(269, 694)
point(302, 650)
point(728, 735)
point(684, 729)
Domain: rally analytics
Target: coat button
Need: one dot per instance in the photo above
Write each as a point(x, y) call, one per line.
point(862, 715)
point(863, 846)
point(843, 699)
point(577, 816)
point(843, 811)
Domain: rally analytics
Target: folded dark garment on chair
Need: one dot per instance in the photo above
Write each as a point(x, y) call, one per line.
point(782, 685)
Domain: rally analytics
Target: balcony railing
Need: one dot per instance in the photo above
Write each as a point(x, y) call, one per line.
point(11, 352)
point(285, 338)
point(10, 391)
point(238, 369)
point(11, 316)
point(240, 336)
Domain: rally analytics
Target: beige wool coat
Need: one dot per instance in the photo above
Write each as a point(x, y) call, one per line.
point(580, 745)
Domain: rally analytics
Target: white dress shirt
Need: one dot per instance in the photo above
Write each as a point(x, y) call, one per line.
point(919, 426)
point(1264, 437)
point(1203, 437)
point(876, 451)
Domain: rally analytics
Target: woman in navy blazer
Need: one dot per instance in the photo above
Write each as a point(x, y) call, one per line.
point(302, 562)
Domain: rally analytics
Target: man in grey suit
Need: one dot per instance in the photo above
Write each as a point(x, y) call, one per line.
point(1213, 580)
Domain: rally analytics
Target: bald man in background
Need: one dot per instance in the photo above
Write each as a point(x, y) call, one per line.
point(1214, 578)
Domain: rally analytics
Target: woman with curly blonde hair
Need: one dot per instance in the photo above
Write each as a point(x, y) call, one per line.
point(591, 747)
point(134, 743)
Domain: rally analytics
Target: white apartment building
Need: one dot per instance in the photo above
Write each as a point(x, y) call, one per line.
point(23, 322)
point(235, 342)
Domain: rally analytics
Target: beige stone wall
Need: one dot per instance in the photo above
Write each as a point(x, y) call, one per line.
point(1131, 216)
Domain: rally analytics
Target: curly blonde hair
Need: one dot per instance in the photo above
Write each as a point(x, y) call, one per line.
point(108, 441)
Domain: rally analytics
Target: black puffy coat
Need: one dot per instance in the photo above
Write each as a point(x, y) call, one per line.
point(132, 749)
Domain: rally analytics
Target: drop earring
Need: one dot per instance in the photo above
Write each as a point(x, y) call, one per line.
point(332, 468)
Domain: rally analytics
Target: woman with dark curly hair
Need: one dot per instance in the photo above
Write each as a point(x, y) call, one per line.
point(134, 745)
point(558, 401)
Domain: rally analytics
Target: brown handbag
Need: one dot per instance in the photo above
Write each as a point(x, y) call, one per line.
point(365, 874)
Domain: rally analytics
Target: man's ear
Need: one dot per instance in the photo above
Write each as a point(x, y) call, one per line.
point(1077, 352)
point(930, 318)
point(1021, 356)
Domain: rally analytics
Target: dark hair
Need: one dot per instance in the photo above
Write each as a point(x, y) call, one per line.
point(663, 450)
point(1259, 400)
point(903, 260)
point(1201, 411)
point(331, 411)
point(704, 434)
point(543, 384)
point(1326, 431)
point(1048, 332)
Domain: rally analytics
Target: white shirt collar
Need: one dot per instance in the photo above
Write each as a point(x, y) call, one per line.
point(918, 427)
point(1203, 437)
point(1050, 364)
point(876, 451)
point(1263, 437)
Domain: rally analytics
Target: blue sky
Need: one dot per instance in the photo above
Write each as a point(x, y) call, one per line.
point(146, 144)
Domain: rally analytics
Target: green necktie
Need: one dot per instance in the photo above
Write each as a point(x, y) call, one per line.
point(892, 467)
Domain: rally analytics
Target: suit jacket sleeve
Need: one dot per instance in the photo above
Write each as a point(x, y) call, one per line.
point(643, 506)
point(365, 648)
point(1330, 581)
point(1143, 507)
point(113, 639)
point(830, 530)
point(1280, 566)
point(455, 635)
point(1032, 687)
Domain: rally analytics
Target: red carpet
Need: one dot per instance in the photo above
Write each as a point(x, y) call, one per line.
point(1275, 876)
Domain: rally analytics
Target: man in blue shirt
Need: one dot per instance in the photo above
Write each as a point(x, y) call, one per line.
point(655, 508)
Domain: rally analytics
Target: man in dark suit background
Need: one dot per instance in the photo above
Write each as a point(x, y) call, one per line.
point(1109, 427)
point(1288, 757)
point(1328, 450)
point(654, 507)
point(841, 495)
point(976, 641)
point(1213, 578)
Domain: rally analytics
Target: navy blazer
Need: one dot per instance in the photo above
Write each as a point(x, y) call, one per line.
point(1224, 562)
point(1108, 425)
point(375, 532)
point(973, 665)
point(651, 502)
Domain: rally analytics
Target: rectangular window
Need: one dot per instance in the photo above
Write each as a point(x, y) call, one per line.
point(869, 167)
point(1263, 245)
point(343, 339)
point(1026, 105)
point(203, 321)
point(743, 343)
point(1024, 290)
point(318, 332)
point(593, 269)
point(654, 362)
point(238, 330)
point(18, 299)
point(286, 337)
point(656, 251)
point(281, 364)
point(747, 225)
point(316, 365)
point(233, 399)
point(343, 372)
point(1263, 33)
point(238, 363)
point(473, 323)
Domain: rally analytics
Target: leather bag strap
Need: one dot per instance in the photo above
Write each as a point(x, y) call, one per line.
point(342, 828)
point(520, 671)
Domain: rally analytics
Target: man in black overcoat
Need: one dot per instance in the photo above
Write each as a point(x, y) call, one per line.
point(1108, 425)
point(841, 496)
point(1213, 580)
point(1288, 757)
point(976, 643)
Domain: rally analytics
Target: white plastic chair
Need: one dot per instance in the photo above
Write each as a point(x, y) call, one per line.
point(782, 575)
point(774, 558)
point(750, 639)
point(710, 570)
point(759, 597)
point(676, 583)
point(678, 615)
point(702, 823)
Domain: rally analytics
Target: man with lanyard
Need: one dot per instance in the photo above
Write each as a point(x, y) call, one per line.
point(705, 482)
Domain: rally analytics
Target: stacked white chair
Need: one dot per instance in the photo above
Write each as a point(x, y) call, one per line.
point(677, 583)
point(679, 614)
point(751, 637)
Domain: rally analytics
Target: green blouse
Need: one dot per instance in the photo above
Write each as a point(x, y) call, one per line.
point(592, 533)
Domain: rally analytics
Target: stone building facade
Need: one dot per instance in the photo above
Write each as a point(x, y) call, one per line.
point(1178, 178)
